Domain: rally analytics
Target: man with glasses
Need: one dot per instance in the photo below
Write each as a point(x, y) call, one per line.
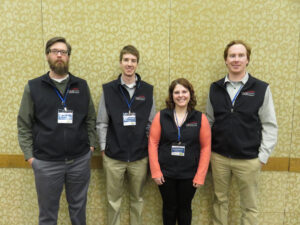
point(126, 111)
point(56, 131)
point(244, 132)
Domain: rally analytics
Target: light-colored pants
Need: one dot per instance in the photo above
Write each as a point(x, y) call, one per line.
point(247, 174)
point(136, 173)
point(50, 178)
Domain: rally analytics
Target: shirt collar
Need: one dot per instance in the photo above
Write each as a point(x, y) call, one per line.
point(244, 80)
point(129, 85)
point(61, 79)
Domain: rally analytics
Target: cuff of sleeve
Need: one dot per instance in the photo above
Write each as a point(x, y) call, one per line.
point(102, 146)
point(93, 142)
point(198, 181)
point(157, 174)
point(263, 157)
point(28, 155)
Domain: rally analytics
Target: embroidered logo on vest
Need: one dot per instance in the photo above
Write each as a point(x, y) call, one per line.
point(248, 93)
point(192, 124)
point(140, 98)
point(74, 91)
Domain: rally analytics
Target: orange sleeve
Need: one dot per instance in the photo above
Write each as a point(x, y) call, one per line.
point(205, 142)
point(153, 142)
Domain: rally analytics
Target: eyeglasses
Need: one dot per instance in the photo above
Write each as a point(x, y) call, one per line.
point(56, 51)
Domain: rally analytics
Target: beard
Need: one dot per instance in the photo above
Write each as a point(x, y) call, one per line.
point(59, 66)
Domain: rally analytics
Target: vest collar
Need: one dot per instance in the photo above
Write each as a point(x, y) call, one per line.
point(170, 113)
point(249, 83)
point(46, 78)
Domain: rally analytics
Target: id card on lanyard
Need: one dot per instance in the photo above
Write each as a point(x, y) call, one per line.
point(129, 119)
point(178, 149)
point(64, 116)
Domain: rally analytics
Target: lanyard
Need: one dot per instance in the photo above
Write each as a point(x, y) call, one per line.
point(63, 100)
point(236, 94)
point(178, 124)
point(131, 101)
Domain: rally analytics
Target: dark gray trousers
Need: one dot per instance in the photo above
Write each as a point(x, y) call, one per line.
point(50, 177)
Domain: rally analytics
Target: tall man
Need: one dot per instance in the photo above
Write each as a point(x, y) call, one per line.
point(125, 113)
point(57, 133)
point(244, 133)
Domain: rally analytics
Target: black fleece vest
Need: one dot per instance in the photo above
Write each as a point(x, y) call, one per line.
point(127, 143)
point(53, 141)
point(179, 167)
point(236, 132)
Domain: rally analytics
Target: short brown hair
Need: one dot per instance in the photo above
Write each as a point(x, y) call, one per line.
point(184, 82)
point(130, 49)
point(54, 40)
point(236, 42)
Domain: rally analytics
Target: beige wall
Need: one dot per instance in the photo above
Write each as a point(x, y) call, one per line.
point(176, 38)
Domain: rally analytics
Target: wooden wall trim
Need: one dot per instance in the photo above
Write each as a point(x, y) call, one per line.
point(18, 161)
point(294, 165)
point(277, 164)
point(274, 163)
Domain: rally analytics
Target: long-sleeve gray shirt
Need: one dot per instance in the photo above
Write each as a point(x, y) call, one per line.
point(266, 114)
point(25, 120)
point(103, 119)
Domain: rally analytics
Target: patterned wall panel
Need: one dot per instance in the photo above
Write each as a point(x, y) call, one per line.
point(295, 145)
point(176, 38)
point(21, 57)
point(292, 194)
point(18, 197)
point(99, 29)
point(200, 31)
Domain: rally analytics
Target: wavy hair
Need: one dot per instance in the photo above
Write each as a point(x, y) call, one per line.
point(185, 83)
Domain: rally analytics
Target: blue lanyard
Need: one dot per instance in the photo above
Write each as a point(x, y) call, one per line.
point(63, 100)
point(236, 94)
point(178, 125)
point(131, 101)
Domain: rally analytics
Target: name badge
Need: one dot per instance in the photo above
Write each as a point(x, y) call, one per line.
point(178, 149)
point(65, 116)
point(129, 119)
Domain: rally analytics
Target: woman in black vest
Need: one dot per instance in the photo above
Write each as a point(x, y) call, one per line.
point(179, 152)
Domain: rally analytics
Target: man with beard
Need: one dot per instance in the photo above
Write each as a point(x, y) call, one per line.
point(56, 131)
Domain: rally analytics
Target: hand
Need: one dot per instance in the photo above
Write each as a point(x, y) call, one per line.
point(261, 164)
point(195, 185)
point(103, 153)
point(159, 181)
point(92, 148)
point(30, 161)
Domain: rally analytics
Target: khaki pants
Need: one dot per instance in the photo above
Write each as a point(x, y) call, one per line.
point(136, 173)
point(247, 173)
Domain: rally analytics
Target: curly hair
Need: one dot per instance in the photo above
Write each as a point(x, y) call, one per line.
point(184, 82)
